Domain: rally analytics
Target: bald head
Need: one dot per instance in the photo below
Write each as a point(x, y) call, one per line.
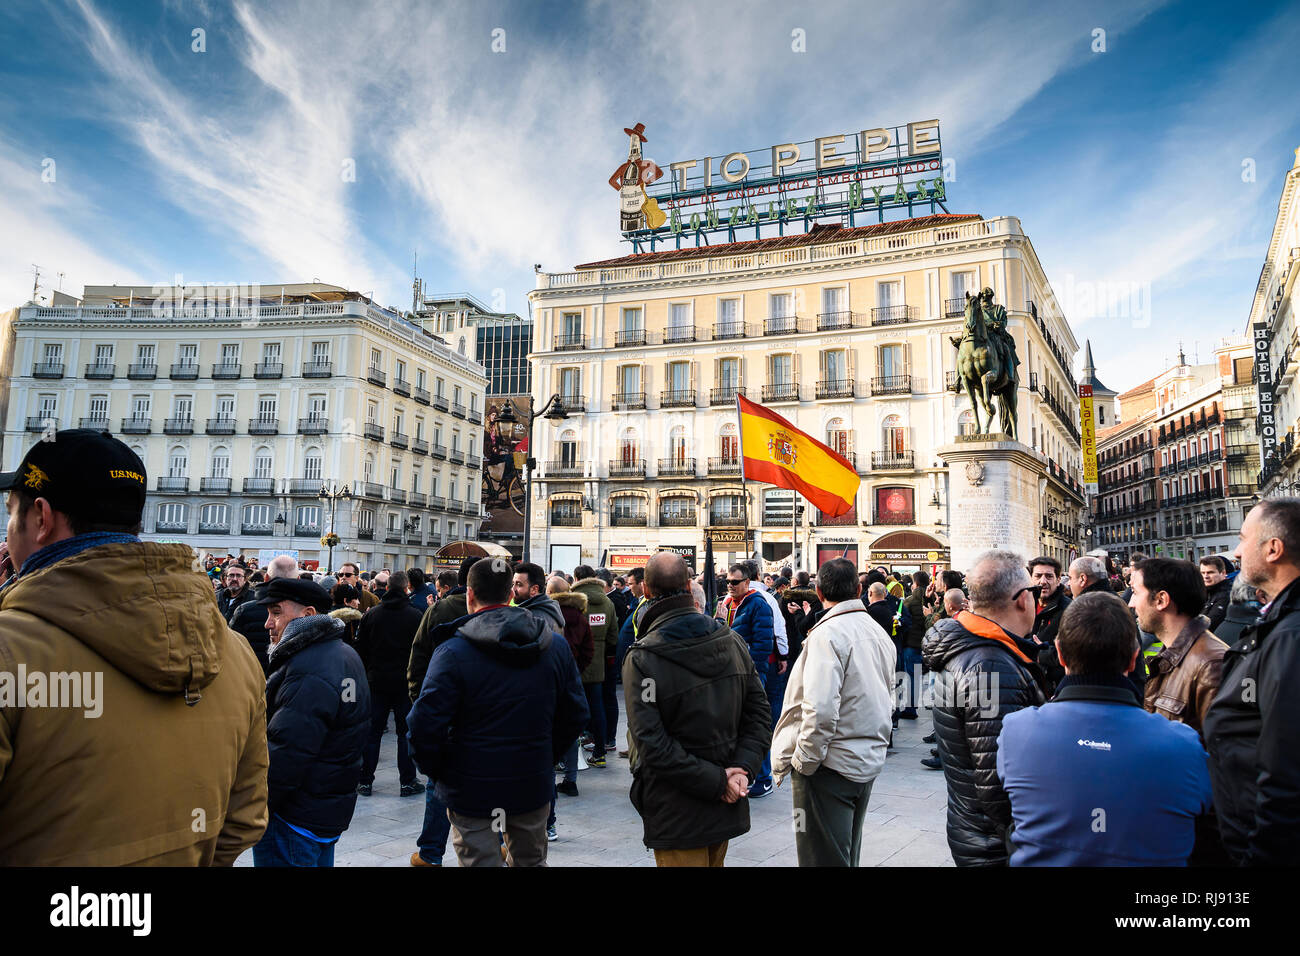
point(666, 573)
point(282, 566)
point(954, 601)
point(994, 578)
point(876, 592)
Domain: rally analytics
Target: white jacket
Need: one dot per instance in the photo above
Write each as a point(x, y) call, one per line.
point(840, 698)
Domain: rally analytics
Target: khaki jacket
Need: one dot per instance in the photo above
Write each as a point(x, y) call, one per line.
point(1185, 676)
point(157, 753)
point(839, 698)
point(603, 618)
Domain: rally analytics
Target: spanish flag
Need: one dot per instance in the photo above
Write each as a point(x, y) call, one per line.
point(774, 451)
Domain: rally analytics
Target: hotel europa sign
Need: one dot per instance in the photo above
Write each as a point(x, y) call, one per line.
point(849, 176)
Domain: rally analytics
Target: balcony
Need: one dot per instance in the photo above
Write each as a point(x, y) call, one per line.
point(401, 387)
point(365, 534)
point(178, 426)
point(628, 401)
point(376, 376)
point(576, 342)
point(264, 426)
point(473, 461)
point(95, 424)
point(214, 527)
point(399, 440)
point(724, 466)
point(725, 395)
point(847, 520)
point(227, 370)
point(318, 369)
point(678, 519)
point(419, 446)
point(220, 426)
point(628, 519)
point(625, 338)
point(891, 385)
point(728, 330)
point(439, 451)
point(950, 381)
point(830, 321)
point(397, 495)
point(573, 403)
point(214, 486)
point(268, 370)
point(459, 410)
point(892, 314)
point(954, 307)
point(259, 486)
point(453, 504)
point(184, 371)
point(895, 517)
point(38, 423)
point(142, 371)
point(781, 325)
point(393, 536)
point(260, 530)
point(457, 457)
point(309, 487)
point(837, 388)
point(475, 417)
point(421, 395)
point(418, 499)
point(372, 431)
point(893, 461)
point(781, 392)
point(371, 489)
point(440, 403)
point(677, 467)
point(677, 398)
point(47, 370)
point(679, 333)
point(173, 486)
point(313, 426)
point(1241, 491)
point(137, 426)
point(627, 468)
point(565, 469)
point(566, 518)
point(306, 530)
point(173, 526)
point(726, 520)
point(438, 502)
point(101, 370)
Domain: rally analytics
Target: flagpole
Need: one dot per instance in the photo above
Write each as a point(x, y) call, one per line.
point(794, 532)
point(744, 488)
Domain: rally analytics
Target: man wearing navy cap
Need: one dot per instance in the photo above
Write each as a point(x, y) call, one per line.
point(317, 721)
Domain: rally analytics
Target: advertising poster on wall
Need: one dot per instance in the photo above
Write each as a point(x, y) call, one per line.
point(505, 449)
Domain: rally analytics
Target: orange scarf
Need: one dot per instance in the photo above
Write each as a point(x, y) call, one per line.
point(983, 627)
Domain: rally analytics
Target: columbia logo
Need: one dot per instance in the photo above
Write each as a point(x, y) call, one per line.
point(1094, 744)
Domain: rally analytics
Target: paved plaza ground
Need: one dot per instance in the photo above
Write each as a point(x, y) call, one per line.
point(599, 827)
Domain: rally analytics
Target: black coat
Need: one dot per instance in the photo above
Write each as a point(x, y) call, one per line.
point(249, 620)
point(384, 639)
point(1216, 603)
point(1239, 617)
point(965, 665)
point(317, 722)
point(228, 601)
point(1252, 732)
point(797, 623)
point(708, 712)
point(622, 608)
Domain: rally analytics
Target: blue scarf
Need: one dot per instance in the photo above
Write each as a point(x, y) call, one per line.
point(68, 547)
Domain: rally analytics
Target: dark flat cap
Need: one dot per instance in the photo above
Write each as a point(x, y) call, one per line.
point(306, 593)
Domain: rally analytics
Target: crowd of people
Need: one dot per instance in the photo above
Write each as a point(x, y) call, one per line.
point(1086, 715)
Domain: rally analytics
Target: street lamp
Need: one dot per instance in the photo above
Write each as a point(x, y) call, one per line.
point(333, 494)
point(552, 411)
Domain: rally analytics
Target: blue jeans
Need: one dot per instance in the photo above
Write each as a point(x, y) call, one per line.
point(571, 763)
point(610, 696)
point(433, 838)
point(764, 775)
point(382, 703)
point(596, 705)
point(776, 689)
point(281, 845)
point(911, 680)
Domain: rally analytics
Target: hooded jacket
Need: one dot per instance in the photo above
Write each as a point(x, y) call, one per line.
point(603, 619)
point(317, 724)
point(249, 619)
point(573, 608)
point(500, 704)
point(177, 724)
point(971, 657)
point(450, 608)
point(708, 712)
point(384, 639)
point(351, 618)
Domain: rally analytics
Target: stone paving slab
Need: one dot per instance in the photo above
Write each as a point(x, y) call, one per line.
point(905, 820)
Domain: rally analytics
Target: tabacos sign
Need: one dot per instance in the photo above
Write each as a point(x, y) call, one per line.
point(846, 175)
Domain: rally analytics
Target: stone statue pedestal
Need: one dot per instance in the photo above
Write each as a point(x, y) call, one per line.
point(994, 491)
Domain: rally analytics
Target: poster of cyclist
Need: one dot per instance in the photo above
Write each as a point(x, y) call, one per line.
point(504, 451)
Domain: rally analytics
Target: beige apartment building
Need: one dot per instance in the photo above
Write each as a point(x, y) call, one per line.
point(844, 332)
point(245, 403)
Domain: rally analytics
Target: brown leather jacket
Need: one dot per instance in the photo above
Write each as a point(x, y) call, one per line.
point(1184, 677)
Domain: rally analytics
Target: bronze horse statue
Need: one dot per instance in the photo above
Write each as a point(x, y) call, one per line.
point(986, 370)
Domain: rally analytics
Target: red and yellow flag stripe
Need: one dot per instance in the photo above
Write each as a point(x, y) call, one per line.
point(774, 451)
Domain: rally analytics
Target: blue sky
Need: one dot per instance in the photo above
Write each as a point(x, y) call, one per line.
point(227, 165)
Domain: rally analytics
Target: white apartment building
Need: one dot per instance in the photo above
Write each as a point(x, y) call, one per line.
point(843, 331)
point(246, 403)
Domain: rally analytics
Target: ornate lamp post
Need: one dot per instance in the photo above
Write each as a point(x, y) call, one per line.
point(333, 494)
point(552, 411)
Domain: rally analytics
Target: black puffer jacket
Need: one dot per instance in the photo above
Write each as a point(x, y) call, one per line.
point(249, 619)
point(708, 712)
point(967, 722)
point(317, 722)
point(384, 639)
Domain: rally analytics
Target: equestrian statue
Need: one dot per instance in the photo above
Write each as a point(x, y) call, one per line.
point(987, 363)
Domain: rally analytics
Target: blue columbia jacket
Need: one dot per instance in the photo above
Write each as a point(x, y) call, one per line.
point(1095, 780)
point(752, 620)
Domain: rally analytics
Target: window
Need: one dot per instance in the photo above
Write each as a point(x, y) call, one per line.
point(835, 366)
point(103, 355)
point(629, 449)
point(455, 394)
point(214, 516)
point(962, 282)
point(230, 354)
point(1101, 414)
point(368, 469)
point(99, 407)
point(257, 516)
point(399, 419)
point(439, 389)
point(839, 438)
point(311, 464)
point(262, 463)
point(48, 406)
point(308, 519)
point(677, 444)
point(677, 510)
point(629, 379)
point(139, 406)
point(144, 354)
point(966, 423)
point(399, 370)
point(433, 484)
point(780, 305)
point(225, 407)
point(187, 354)
point(679, 376)
point(729, 317)
point(172, 516)
point(782, 369)
point(892, 361)
point(53, 353)
point(889, 294)
point(572, 326)
point(630, 321)
point(178, 463)
point(729, 442)
point(570, 384)
point(266, 405)
point(316, 408)
point(832, 301)
point(183, 407)
point(725, 508)
point(569, 450)
point(366, 520)
point(376, 359)
point(679, 321)
point(372, 413)
point(893, 435)
point(729, 372)
point(320, 353)
point(415, 481)
point(270, 353)
point(455, 442)
point(220, 462)
point(419, 429)
point(395, 475)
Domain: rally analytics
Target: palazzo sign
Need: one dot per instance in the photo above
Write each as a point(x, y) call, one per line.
point(844, 176)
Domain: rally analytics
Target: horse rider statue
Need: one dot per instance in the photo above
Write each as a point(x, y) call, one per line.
point(987, 363)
